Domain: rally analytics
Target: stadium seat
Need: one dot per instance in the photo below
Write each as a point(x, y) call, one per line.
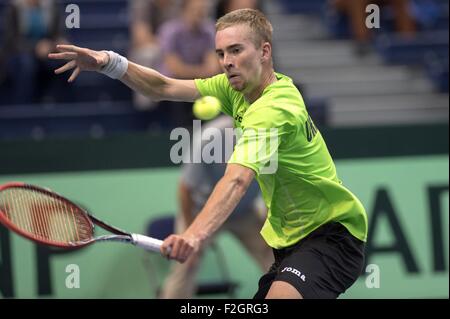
point(395, 49)
point(437, 69)
point(38, 121)
point(303, 6)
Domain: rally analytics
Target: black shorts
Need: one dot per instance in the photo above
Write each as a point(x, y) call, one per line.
point(322, 265)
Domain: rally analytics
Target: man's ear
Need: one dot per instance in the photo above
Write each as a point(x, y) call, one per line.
point(266, 51)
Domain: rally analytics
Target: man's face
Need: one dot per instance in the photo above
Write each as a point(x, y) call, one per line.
point(239, 58)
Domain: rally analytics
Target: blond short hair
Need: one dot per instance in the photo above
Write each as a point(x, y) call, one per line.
point(255, 19)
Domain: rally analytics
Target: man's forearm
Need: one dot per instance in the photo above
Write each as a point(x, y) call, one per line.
point(226, 195)
point(223, 200)
point(179, 69)
point(145, 81)
point(157, 86)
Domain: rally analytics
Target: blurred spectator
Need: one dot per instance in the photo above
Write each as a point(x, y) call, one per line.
point(31, 30)
point(196, 184)
point(356, 12)
point(225, 6)
point(188, 51)
point(146, 18)
point(188, 44)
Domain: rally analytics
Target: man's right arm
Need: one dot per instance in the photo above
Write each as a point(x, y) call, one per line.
point(157, 86)
point(141, 79)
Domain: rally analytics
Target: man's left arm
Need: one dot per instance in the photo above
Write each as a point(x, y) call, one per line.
point(225, 197)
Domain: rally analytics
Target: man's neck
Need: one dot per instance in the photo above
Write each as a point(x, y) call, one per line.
point(267, 79)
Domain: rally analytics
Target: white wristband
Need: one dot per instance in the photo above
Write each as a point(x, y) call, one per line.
point(116, 67)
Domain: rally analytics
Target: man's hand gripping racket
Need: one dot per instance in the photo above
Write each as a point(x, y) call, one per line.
point(46, 217)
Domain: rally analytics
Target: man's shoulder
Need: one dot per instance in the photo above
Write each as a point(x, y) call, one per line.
point(281, 103)
point(284, 92)
point(283, 96)
point(285, 86)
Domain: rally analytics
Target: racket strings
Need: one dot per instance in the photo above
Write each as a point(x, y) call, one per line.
point(45, 216)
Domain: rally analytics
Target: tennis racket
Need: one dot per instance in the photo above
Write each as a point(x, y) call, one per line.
point(46, 217)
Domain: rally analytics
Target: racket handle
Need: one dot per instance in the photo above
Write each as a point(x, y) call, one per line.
point(146, 242)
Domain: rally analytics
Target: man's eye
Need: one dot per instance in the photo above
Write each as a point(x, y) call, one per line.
point(235, 51)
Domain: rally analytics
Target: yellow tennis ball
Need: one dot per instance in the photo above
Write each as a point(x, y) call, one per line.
point(206, 108)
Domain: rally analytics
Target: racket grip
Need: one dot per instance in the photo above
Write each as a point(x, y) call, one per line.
point(146, 242)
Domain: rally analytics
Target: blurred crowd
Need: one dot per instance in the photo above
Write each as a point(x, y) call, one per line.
point(31, 29)
point(355, 10)
point(175, 37)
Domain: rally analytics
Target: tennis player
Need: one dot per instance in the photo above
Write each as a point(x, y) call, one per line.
point(315, 225)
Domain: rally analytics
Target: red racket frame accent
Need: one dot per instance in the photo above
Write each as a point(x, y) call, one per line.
point(5, 221)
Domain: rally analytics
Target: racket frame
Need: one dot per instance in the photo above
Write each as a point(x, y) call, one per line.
point(119, 235)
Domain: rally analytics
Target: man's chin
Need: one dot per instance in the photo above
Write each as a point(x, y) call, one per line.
point(237, 87)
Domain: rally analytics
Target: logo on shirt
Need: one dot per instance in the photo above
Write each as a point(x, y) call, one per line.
point(311, 129)
point(296, 272)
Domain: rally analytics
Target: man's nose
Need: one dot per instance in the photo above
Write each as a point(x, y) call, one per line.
point(228, 62)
